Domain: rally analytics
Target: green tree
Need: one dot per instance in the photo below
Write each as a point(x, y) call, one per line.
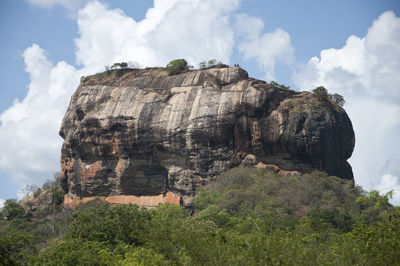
point(166, 221)
point(330, 219)
point(373, 206)
point(57, 197)
point(177, 66)
point(119, 65)
point(276, 84)
point(375, 244)
point(119, 223)
point(71, 252)
point(204, 198)
point(142, 257)
point(12, 209)
point(321, 93)
point(211, 62)
point(15, 249)
point(202, 65)
point(339, 99)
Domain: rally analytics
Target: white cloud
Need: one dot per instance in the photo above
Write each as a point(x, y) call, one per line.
point(2, 203)
point(390, 183)
point(366, 72)
point(31, 126)
point(194, 30)
point(266, 49)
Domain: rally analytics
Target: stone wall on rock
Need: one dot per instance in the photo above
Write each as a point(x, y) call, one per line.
point(142, 132)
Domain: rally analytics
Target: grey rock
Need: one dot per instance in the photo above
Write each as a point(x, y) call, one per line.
point(142, 132)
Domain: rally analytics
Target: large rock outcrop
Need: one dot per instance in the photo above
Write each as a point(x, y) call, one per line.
point(141, 132)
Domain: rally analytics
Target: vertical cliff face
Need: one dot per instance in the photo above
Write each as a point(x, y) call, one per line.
point(140, 132)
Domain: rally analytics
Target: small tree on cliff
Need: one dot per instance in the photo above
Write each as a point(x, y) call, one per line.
point(119, 65)
point(210, 63)
point(177, 66)
point(323, 95)
point(339, 99)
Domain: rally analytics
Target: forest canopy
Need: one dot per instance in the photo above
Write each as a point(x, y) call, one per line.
point(246, 217)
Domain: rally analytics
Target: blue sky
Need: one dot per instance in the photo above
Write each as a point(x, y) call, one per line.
point(351, 47)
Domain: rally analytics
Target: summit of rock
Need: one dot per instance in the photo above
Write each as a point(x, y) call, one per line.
point(141, 132)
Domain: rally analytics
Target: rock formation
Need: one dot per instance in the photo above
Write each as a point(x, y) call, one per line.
point(142, 132)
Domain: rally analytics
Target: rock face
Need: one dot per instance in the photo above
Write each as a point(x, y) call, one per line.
point(141, 132)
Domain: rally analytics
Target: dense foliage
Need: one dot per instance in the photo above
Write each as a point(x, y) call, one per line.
point(12, 210)
point(323, 95)
point(177, 66)
point(246, 217)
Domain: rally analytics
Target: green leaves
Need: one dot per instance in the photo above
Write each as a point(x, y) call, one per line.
point(339, 99)
point(242, 191)
point(209, 63)
point(12, 209)
point(177, 66)
point(15, 249)
point(276, 84)
point(119, 65)
point(205, 198)
point(323, 95)
point(70, 252)
point(246, 217)
point(117, 224)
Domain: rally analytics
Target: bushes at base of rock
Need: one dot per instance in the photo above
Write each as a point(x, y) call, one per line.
point(12, 209)
point(246, 217)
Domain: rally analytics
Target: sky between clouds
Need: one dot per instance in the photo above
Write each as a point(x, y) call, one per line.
point(364, 69)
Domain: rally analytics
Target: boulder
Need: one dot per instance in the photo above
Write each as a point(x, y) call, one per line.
point(142, 132)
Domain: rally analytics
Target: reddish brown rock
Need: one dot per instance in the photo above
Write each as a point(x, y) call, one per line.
point(145, 201)
point(270, 167)
point(276, 169)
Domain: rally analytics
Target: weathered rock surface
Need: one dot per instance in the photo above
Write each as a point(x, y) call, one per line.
point(141, 132)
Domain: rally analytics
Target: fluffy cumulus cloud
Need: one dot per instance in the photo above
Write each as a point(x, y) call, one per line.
point(265, 48)
point(194, 30)
point(366, 72)
point(30, 126)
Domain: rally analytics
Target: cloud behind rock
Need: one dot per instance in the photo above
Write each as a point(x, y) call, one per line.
point(365, 71)
point(266, 49)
